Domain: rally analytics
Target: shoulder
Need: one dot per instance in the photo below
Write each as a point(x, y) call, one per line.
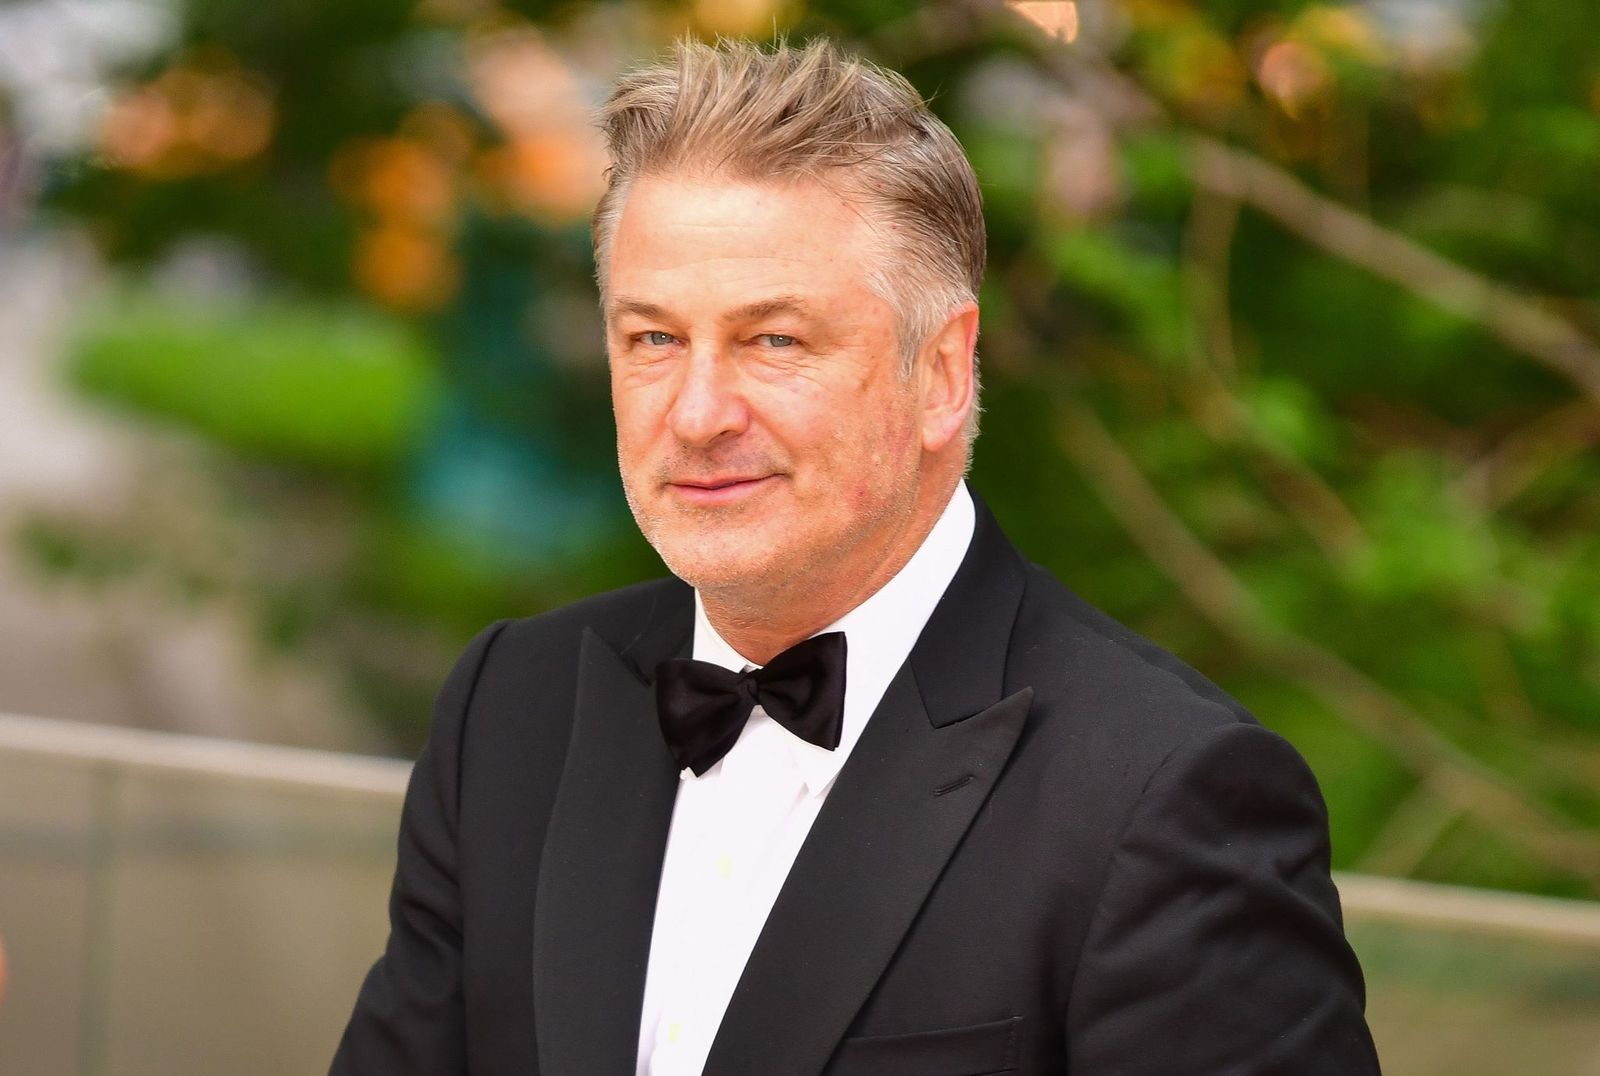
point(503, 717)
point(1087, 659)
point(514, 667)
point(1172, 787)
point(623, 619)
point(1121, 715)
point(1092, 676)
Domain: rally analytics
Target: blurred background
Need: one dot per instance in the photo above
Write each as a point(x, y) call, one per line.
point(1291, 351)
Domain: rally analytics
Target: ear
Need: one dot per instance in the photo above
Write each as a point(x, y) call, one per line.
point(944, 372)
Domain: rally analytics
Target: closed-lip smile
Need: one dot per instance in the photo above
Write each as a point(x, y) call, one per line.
point(717, 483)
point(718, 489)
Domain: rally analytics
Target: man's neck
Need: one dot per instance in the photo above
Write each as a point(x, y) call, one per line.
point(761, 625)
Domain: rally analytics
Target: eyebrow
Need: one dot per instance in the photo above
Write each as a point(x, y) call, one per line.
point(618, 307)
point(765, 308)
point(762, 308)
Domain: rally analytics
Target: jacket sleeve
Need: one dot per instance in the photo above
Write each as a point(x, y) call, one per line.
point(1217, 946)
point(408, 1016)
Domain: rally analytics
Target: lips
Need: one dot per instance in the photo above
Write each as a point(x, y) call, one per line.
point(723, 489)
point(716, 483)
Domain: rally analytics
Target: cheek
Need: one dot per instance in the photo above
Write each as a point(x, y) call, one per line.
point(880, 458)
point(635, 418)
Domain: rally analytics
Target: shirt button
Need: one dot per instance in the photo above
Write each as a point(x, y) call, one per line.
point(674, 1032)
point(724, 866)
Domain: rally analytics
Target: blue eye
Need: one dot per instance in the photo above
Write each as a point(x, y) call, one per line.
point(778, 340)
point(657, 338)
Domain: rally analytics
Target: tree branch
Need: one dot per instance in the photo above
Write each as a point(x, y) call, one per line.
point(1499, 475)
point(1517, 320)
point(1222, 599)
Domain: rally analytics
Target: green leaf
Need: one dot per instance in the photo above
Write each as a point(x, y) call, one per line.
point(313, 385)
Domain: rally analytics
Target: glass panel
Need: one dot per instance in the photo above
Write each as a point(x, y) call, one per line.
point(45, 848)
point(1456, 1002)
point(254, 910)
point(207, 925)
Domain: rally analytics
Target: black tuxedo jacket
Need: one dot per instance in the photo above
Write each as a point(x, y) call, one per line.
point(1054, 849)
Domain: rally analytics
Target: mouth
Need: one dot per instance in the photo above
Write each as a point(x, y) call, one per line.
point(719, 490)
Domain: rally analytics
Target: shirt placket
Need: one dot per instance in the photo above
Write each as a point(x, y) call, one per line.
point(754, 789)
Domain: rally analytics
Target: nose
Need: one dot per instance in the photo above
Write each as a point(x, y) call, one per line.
point(710, 402)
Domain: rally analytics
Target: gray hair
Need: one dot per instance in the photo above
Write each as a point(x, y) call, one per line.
point(811, 112)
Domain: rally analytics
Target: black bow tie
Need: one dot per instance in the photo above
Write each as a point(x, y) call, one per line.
point(703, 707)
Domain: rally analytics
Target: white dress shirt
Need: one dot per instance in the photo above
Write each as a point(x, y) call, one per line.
point(737, 828)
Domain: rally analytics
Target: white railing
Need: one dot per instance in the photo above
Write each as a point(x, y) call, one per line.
point(1426, 904)
point(177, 754)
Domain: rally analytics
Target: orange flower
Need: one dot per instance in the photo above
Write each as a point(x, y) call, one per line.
point(547, 176)
point(406, 268)
point(396, 179)
point(200, 117)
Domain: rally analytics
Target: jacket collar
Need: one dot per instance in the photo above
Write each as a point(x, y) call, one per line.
point(924, 765)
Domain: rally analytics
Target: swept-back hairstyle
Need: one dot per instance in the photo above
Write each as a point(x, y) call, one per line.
point(739, 111)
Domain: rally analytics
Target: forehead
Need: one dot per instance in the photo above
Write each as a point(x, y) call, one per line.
point(683, 239)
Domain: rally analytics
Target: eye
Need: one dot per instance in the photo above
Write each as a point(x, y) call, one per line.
point(656, 338)
point(777, 340)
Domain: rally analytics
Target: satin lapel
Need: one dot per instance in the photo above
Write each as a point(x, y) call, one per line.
point(600, 871)
point(907, 795)
point(899, 808)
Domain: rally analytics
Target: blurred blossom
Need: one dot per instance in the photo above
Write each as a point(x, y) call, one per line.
point(396, 179)
point(1428, 35)
point(1292, 74)
point(1297, 62)
point(735, 17)
point(1347, 30)
point(552, 177)
point(407, 192)
point(56, 57)
point(405, 267)
point(202, 116)
point(1081, 175)
point(522, 82)
point(1294, 62)
point(552, 164)
point(1057, 18)
point(408, 189)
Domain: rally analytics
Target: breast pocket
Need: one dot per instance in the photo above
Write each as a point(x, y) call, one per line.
point(976, 1050)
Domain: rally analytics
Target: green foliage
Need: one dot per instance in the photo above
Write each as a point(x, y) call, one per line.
point(1424, 542)
point(333, 388)
point(1290, 421)
point(1140, 288)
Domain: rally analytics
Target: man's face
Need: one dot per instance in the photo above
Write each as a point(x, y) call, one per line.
point(763, 430)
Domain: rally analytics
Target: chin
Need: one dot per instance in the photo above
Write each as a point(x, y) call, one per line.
point(709, 572)
point(712, 564)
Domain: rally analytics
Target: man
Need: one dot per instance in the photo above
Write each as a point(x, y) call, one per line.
point(1014, 837)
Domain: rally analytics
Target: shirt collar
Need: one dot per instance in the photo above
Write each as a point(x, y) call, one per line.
point(880, 633)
